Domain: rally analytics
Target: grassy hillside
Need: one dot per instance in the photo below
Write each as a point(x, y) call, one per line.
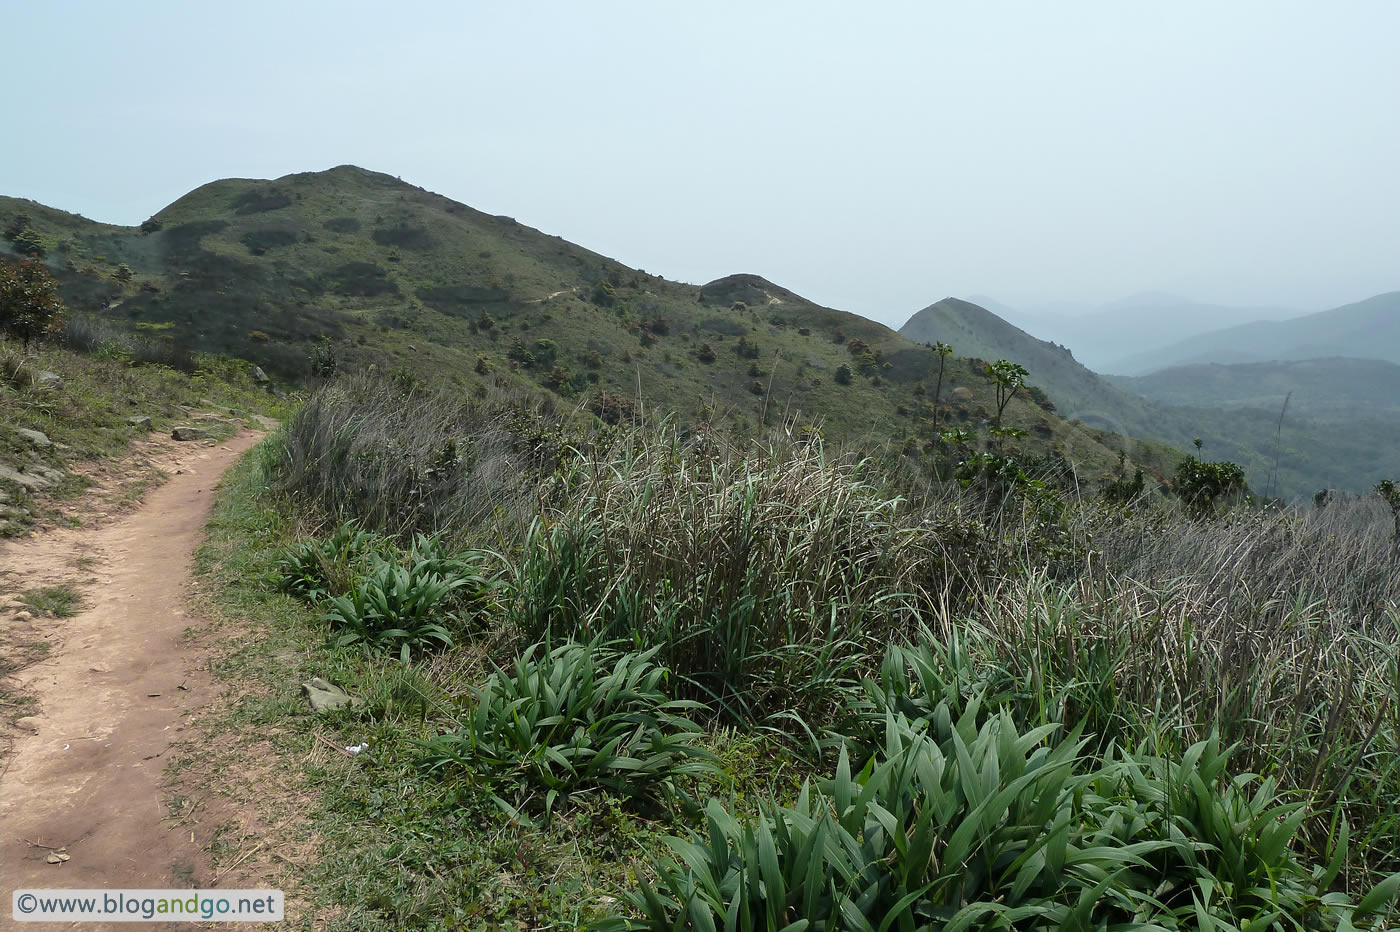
point(1314, 451)
point(1368, 329)
point(361, 268)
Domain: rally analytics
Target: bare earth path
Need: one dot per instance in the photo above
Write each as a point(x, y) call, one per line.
point(112, 695)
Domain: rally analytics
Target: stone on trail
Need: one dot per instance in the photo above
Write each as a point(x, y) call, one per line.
point(190, 433)
point(324, 697)
point(140, 422)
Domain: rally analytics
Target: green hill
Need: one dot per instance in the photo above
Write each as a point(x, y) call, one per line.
point(364, 269)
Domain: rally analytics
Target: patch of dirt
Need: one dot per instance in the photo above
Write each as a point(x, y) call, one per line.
point(111, 689)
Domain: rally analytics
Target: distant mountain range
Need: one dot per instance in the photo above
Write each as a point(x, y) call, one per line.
point(1123, 336)
point(1368, 329)
point(1332, 387)
point(1329, 441)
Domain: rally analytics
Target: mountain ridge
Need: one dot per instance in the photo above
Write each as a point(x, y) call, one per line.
point(368, 270)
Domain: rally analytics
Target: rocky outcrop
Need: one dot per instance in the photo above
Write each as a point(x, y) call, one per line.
point(36, 437)
point(33, 476)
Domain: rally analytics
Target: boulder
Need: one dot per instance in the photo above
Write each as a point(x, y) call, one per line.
point(140, 422)
point(46, 379)
point(32, 477)
point(258, 375)
point(190, 433)
point(36, 437)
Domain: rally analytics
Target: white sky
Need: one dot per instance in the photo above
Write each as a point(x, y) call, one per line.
point(872, 156)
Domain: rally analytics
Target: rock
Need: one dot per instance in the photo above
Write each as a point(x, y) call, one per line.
point(23, 616)
point(46, 379)
point(32, 477)
point(140, 423)
point(9, 512)
point(235, 412)
point(259, 375)
point(323, 696)
point(190, 433)
point(36, 437)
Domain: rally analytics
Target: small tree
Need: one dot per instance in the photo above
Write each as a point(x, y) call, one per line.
point(18, 223)
point(28, 243)
point(123, 273)
point(1008, 377)
point(843, 375)
point(323, 359)
point(1390, 493)
point(30, 308)
point(1201, 484)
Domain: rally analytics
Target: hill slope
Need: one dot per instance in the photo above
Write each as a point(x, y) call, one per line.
point(1368, 329)
point(362, 268)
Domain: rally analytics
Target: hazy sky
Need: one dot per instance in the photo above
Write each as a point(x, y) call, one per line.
point(872, 156)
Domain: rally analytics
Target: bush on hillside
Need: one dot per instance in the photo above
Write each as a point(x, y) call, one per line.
point(30, 308)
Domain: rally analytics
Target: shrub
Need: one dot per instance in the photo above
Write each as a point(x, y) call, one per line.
point(30, 308)
point(843, 374)
point(1201, 484)
point(574, 719)
point(29, 243)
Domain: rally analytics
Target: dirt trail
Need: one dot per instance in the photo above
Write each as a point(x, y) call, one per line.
point(119, 684)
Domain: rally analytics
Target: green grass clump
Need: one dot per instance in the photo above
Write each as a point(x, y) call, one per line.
point(318, 568)
point(990, 828)
point(59, 601)
point(571, 719)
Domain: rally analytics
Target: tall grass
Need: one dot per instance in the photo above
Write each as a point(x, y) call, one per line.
point(789, 587)
point(767, 580)
point(407, 459)
point(1308, 696)
point(1339, 555)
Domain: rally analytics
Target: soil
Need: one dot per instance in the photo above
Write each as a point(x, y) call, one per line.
point(116, 686)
